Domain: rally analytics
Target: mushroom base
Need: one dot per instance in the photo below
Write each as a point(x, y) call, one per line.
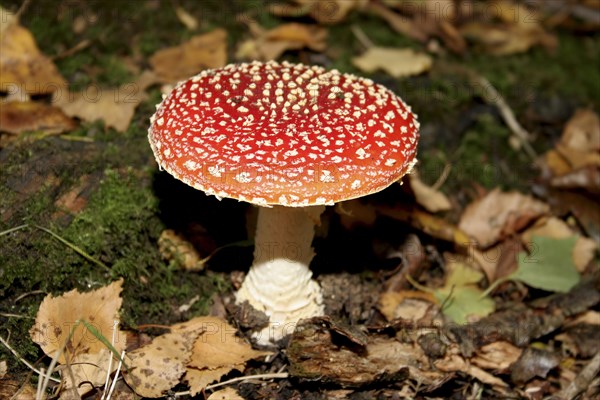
point(279, 282)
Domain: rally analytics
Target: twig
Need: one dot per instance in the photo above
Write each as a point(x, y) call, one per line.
point(583, 380)
point(362, 36)
point(443, 177)
point(507, 114)
point(18, 357)
point(75, 49)
point(279, 375)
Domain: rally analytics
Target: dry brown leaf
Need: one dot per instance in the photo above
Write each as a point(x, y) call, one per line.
point(455, 363)
point(216, 352)
point(399, 23)
point(407, 304)
point(23, 116)
point(501, 40)
point(89, 371)
point(218, 346)
point(584, 250)
point(158, 366)
point(23, 67)
point(58, 316)
point(225, 394)
point(499, 214)
point(174, 247)
point(582, 132)
point(271, 44)
point(198, 379)
point(497, 356)
point(324, 12)
point(396, 62)
point(200, 52)
point(3, 369)
point(431, 199)
point(114, 106)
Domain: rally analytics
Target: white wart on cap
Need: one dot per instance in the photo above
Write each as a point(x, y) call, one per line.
point(284, 134)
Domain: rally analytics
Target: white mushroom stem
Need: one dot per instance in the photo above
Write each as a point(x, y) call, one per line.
point(279, 282)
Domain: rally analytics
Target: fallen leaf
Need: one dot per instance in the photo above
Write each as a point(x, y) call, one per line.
point(88, 371)
point(324, 12)
point(200, 52)
point(25, 116)
point(401, 24)
point(498, 215)
point(582, 132)
point(174, 247)
point(271, 44)
point(198, 379)
point(225, 394)
point(114, 106)
point(407, 304)
point(456, 363)
point(552, 227)
point(23, 67)
point(461, 300)
point(431, 199)
point(497, 356)
point(396, 62)
point(219, 346)
point(549, 266)
point(518, 29)
point(158, 366)
point(58, 317)
point(216, 352)
point(3, 369)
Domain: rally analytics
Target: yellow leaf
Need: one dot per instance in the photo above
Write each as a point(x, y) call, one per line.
point(23, 67)
point(18, 116)
point(396, 62)
point(200, 52)
point(198, 379)
point(158, 366)
point(271, 44)
point(58, 316)
point(432, 200)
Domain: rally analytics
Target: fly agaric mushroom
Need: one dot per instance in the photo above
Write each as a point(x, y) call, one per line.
point(290, 138)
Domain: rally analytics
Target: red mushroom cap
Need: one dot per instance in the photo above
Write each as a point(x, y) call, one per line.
point(284, 134)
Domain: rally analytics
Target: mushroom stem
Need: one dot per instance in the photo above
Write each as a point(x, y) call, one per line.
point(279, 282)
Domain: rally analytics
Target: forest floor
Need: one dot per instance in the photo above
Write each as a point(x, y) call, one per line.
point(507, 96)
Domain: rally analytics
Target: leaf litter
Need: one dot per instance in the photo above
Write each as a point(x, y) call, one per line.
point(511, 242)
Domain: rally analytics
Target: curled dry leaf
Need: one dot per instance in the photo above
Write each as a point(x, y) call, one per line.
point(58, 316)
point(396, 62)
point(23, 67)
point(408, 305)
point(271, 44)
point(324, 12)
point(499, 214)
point(497, 356)
point(456, 363)
point(431, 199)
point(514, 28)
point(174, 247)
point(158, 366)
point(200, 52)
point(17, 117)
